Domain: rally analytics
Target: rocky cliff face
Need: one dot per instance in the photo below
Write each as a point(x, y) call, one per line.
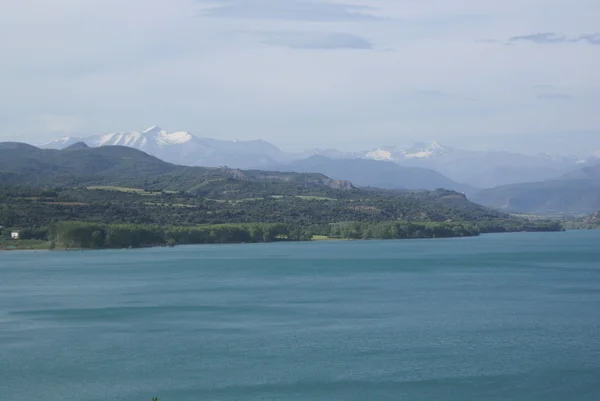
point(593, 218)
point(342, 185)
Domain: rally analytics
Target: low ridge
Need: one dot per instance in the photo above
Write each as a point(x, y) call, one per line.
point(77, 146)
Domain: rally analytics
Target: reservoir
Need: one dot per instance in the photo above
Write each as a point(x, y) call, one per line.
point(497, 317)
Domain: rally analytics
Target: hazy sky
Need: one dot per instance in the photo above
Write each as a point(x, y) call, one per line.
point(300, 73)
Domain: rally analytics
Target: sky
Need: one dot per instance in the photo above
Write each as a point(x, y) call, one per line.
point(350, 74)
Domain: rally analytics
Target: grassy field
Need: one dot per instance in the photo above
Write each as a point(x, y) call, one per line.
point(305, 197)
point(315, 198)
point(122, 189)
point(325, 238)
point(277, 197)
point(171, 204)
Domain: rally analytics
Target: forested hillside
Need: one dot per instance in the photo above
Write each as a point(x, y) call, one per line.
point(36, 212)
point(25, 165)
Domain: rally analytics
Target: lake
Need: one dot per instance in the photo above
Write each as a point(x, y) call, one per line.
point(497, 317)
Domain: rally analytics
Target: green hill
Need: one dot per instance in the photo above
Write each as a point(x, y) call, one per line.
point(25, 165)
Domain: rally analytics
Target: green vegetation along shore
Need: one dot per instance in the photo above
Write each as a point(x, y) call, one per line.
point(78, 218)
point(79, 235)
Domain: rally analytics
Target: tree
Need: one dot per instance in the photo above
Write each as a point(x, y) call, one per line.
point(97, 239)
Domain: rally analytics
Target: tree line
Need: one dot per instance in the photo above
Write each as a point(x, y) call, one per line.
point(82, 235)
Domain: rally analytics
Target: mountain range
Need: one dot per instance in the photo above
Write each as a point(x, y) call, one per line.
point(183, 148)
point(508, 181)
point(474, 168)
point(483, 169)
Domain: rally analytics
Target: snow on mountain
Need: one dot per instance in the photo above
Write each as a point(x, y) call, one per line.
point(589, 159)
point(483, 169)
point(176, 138)
point(381, 154)
point(422, 150)
point(183, 148)
point(416, 150)
point(149, 138)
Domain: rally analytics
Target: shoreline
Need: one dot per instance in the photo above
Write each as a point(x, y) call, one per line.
point(318, 240)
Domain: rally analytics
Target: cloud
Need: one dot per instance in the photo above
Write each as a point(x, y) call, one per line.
point(540, 38)
point(316, 40)
point(592, 39)
point(554, 96)
point(301, 10)
point(188, 72)
point(549, 38)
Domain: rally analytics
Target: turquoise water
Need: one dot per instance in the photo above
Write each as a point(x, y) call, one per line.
point(498, 317)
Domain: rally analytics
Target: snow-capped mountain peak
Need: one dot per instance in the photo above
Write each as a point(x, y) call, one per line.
point(382, 154)
point(424, 150)
point(131, 139)
point(182, 147)
point(175, 137)
point(146, 140)
point(155, 129)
